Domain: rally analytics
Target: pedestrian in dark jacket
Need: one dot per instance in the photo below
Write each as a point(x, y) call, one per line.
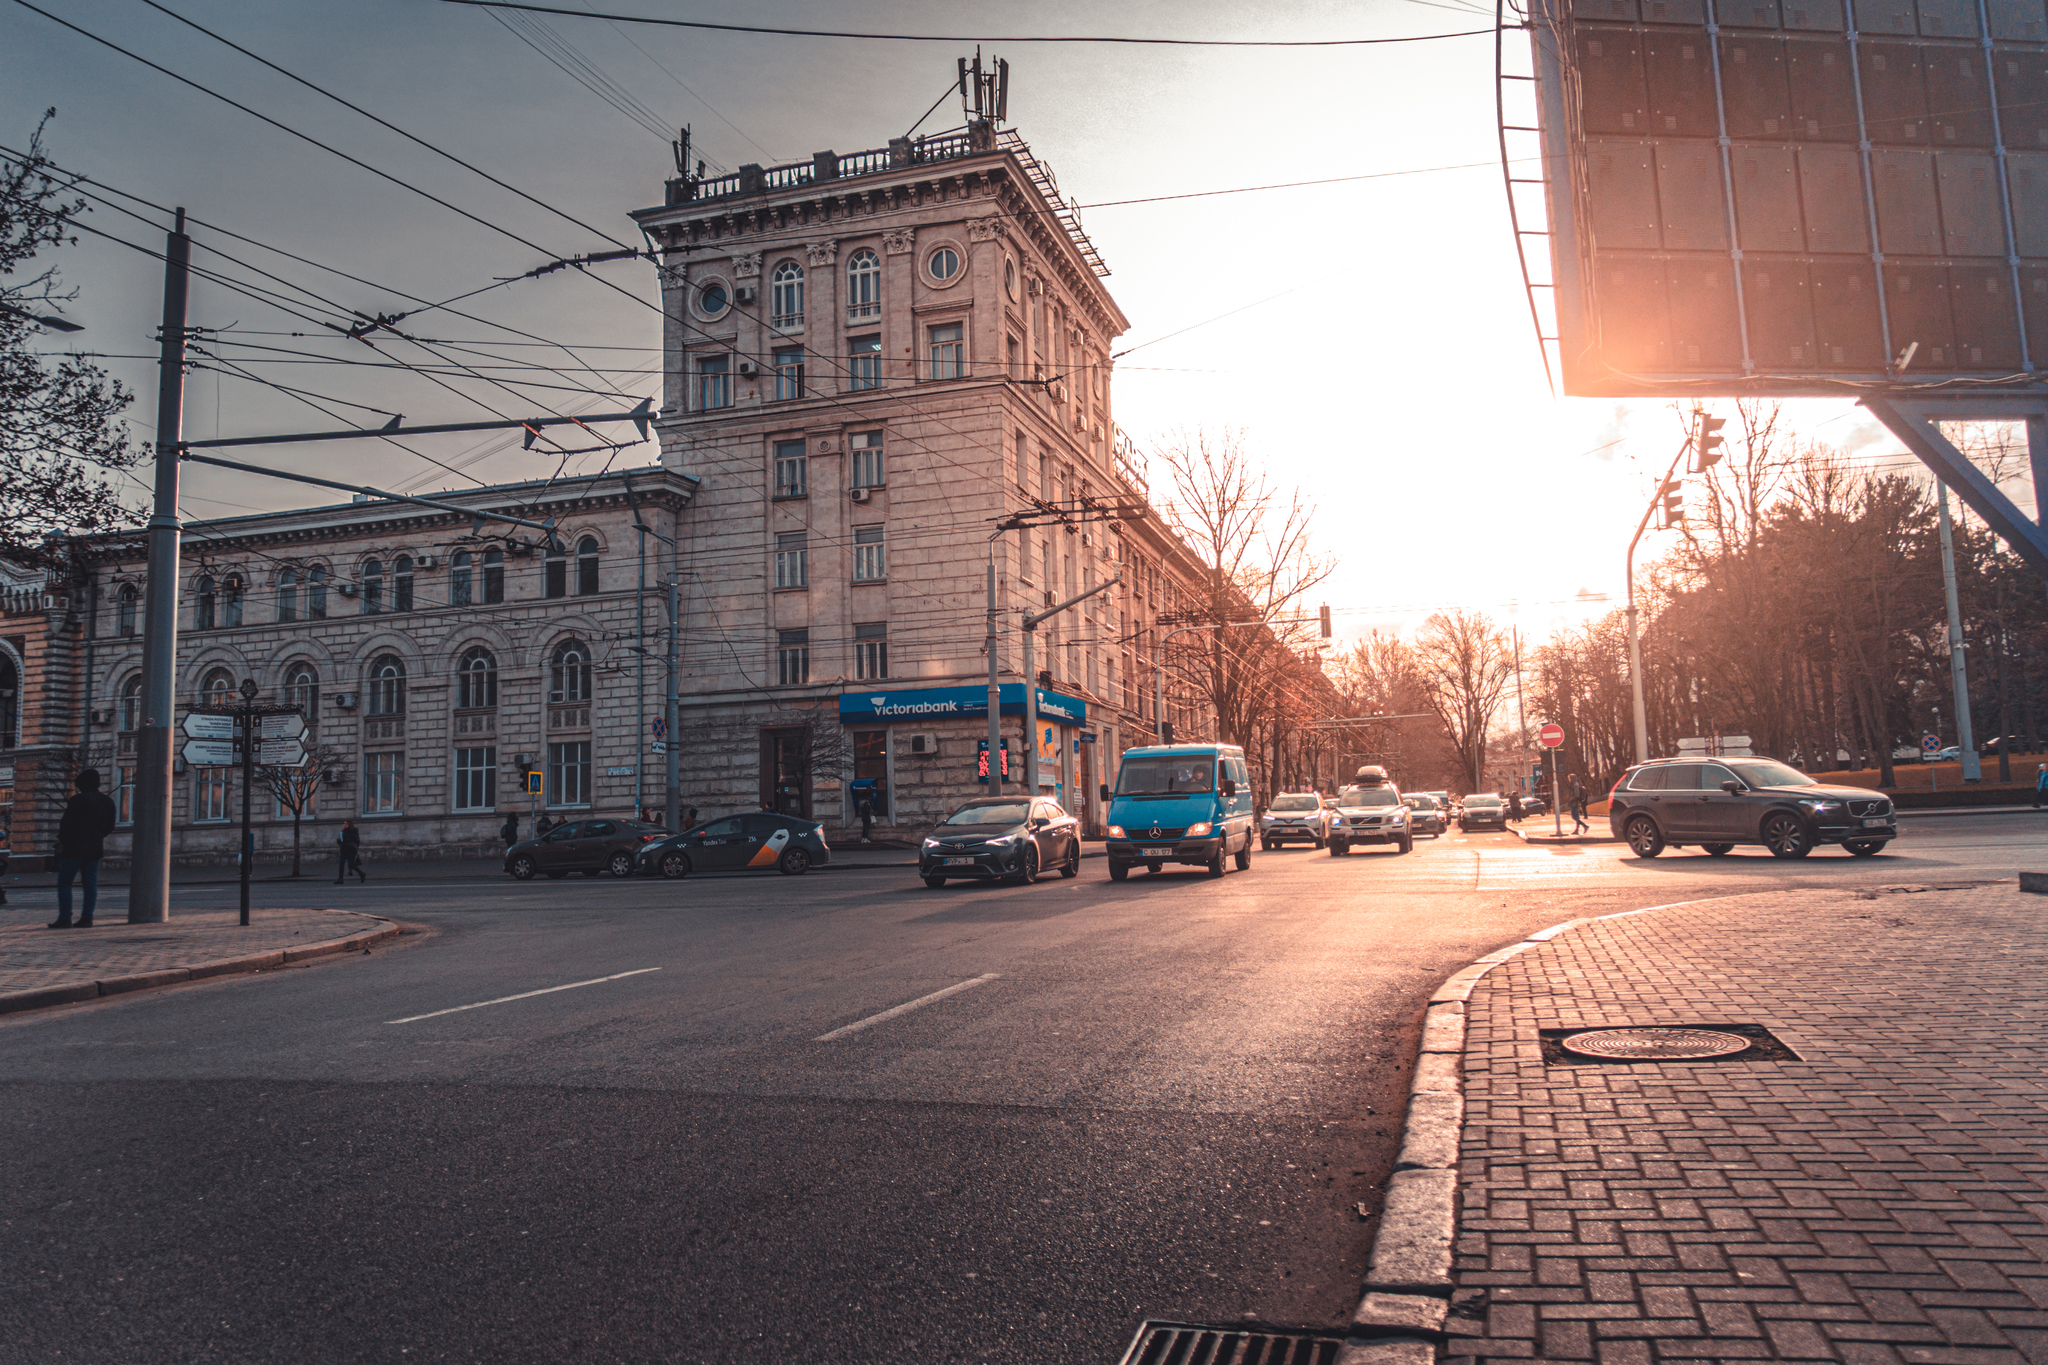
point(542, 826)
point(350, 844)
point(2040, 784)
point(1514, 805)
point(81, 843)
point(1579, 825)
point(509, 832)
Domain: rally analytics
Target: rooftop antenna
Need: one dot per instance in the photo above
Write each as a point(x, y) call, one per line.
point(984, 92)
point(681, 147)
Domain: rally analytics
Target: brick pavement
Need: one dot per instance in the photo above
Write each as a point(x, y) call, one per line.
point(48, 966)
point(1883, 1201)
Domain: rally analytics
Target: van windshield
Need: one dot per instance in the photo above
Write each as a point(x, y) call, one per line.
point(1166, 776)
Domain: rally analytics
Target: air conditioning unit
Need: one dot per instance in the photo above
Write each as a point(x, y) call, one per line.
point(424, 562)
point(1037, 288)
point(923, 746)
point(860, 494)
point(1058, 392)
point(345, 701)
point(749, 367)
point(345, 589)
point(1080, 420)
point(743, 295)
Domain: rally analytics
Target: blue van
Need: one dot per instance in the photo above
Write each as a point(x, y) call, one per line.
point(1182, 803)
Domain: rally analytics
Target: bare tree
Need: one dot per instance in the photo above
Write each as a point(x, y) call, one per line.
point(1465, 662)
point(296, 789)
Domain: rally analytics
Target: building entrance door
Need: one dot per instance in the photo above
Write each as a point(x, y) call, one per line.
point(786, 771)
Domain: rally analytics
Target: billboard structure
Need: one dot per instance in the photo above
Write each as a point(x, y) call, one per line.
point(1842, 198)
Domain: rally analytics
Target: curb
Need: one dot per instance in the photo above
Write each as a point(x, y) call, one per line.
point(1406, 1298)
point(14, 1002)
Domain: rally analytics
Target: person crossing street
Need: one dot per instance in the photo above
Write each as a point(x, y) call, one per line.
point(350, 844)
point(2040, 784)
point(1579, 825)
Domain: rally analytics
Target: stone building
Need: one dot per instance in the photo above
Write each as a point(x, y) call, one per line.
point(871, 360)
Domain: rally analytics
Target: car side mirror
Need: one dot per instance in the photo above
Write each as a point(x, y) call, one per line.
point(1040, 823)
point(1230, 786)
point(1731, 786)
point(1103, 791)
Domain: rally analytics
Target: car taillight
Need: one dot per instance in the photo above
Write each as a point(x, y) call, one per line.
point(650, 838)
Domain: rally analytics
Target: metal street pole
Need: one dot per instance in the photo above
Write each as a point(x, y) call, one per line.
point(1958, 669)
point(673, 806)
point(1030, 624)
point(1159, 673)
point(640, 685)
point(1635, 648)
point(248, 723)
point(995, 687)
point(149, 890)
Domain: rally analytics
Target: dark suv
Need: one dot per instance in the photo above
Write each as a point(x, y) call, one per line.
point(1718, 804)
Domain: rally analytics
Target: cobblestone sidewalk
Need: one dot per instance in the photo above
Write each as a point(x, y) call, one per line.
point(40, 966)
point(1884, 1199)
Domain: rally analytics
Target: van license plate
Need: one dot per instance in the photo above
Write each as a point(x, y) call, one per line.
point(1879, 821)
point(1158, 852)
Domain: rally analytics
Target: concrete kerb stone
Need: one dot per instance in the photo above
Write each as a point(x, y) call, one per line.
point(1406, 1300)
point(13, 1002)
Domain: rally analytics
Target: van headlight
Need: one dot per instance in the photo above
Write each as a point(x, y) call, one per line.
point(1117, 832)
point(1199, 829)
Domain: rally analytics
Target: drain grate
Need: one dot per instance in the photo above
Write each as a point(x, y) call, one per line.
point(1627, 1046)
point(1187, 1343)
point(1655, 1044)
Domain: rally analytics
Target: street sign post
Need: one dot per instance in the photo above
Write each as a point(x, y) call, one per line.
point(290, 726)
point(210, 753)
point(209, 725)
point(1550, 736)
point(280, 753)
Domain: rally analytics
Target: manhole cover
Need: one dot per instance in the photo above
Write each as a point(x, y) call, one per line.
point(1656, 1044)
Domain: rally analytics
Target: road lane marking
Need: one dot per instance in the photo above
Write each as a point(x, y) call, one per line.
point(523, 995)
point(905, 1008)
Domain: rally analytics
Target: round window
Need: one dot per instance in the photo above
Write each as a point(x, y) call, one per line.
point(1010, 277)
point(944, 264)
point(713, 300)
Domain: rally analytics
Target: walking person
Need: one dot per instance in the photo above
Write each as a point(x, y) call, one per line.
point(2040, 784)
point(1514, 805)
point(542, 826)
point(865, 808)
point(1579, 825)
point(350, 843)
point(81, 843)
point(509, 831)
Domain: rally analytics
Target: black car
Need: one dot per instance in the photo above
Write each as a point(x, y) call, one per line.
point(1009, 837)
point(1674, 802)
point(759, 841)
point(587, 846)
point(1483, 810)
point(1426, 814)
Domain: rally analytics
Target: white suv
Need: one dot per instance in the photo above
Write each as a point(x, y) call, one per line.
point(1295, 818)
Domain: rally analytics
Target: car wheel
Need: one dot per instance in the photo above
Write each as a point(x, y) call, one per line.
point(1644, 838)
point(1073, 867)
point(1119, 872)
point(1865, 848)
point(621, 865)
point(935, 882)
point(794, 862)
point(1216, 862)
point(1338, 849)
point(1320, 841)
point(556, 876)
point(1028, 873)
point(1785, 836)
point(1244, 855)
point(1717, 850)
point(522, 868)
point(675, 865)
point(1407, 844)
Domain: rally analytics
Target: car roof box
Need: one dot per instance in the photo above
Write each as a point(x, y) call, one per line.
point(1371, 775)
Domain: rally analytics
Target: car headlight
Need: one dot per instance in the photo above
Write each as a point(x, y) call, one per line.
point(1117, 832)
point(1821, 807)
point(1196, 831)
point(931, 843)
point(1001, 841)
point(1272, 819)
point(1336, 819)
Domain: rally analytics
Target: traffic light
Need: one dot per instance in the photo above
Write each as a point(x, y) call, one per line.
point(1710, 443)
point(1166, 732)
point(1673, 494)
point(1326, 623)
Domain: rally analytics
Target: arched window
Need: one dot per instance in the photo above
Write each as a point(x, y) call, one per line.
point(373, 586)
point(302, 689)
point(569, 674)
point(316, 594)
point(586, 566)
point(130, 718)
point(386, 686)
point(288, 595)
point(494, 577)
point(231, 600)
point(124, 611)
point(460, 580)
point(202, 602)
point(217, 692)
point(10, 701)
point(401, 583)
point(476, 681)
point(557, 574)
point(786, 297)
point(863, 285)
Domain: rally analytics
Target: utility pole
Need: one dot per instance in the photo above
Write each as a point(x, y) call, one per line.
point(995, 687)
point(672, 808)
point(1708, 455)
point(1030, 624)
point(149, 889)
point(1958, 669)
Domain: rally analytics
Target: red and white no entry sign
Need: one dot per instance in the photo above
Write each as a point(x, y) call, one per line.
point(1550, 736)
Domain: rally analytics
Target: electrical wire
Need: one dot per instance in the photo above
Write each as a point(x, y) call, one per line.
point(956, 38)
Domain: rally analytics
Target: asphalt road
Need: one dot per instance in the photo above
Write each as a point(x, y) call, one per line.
point(1165, 1098)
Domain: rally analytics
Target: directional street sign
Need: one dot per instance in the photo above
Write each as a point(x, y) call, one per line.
point(1551, 735)
point(280, 753)
point(291, 726)
point(201, 725)
point(210, 753)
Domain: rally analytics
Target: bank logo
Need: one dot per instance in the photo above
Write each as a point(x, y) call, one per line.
point(877, 700)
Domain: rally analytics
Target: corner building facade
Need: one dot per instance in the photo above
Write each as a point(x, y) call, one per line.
point(871, 360)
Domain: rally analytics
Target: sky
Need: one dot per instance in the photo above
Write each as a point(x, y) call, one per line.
point(1370, 339)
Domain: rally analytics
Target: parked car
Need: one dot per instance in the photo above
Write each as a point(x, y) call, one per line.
point(1670, 803)
point(1426, 814)
point(1012, 838)
point(1370, 815)
point(1185, 803)
point(1534, 804)
point(757, 841)
point(1295, 818)
point(1483, 810)
point(1953, 753)
point(607, 844)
